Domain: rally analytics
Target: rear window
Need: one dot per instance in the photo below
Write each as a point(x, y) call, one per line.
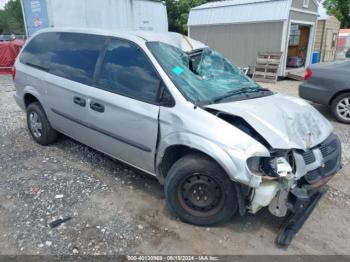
point(37, 51)
point(69, 55)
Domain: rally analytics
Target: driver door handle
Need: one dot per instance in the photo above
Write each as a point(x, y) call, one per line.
point(79, 101)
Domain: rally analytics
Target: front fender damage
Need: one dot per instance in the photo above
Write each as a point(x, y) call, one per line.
point(233, 161)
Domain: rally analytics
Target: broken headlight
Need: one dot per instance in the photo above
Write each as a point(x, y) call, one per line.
point(281, 164)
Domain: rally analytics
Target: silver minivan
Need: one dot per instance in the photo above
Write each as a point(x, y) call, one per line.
point(178, 110)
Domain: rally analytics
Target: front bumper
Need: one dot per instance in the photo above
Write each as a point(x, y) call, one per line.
point(303, 198)
point(322, 162)
point(313, 169)
point(303, 206)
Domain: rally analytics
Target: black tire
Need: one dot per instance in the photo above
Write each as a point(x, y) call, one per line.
point(216, 206)
point(334, 106)
point(47, 134)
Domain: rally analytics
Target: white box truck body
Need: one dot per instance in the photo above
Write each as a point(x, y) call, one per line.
point(150, 15)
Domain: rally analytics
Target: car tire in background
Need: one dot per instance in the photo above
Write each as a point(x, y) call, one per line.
point(39, 126)
point(341, 108)
point(199, 191)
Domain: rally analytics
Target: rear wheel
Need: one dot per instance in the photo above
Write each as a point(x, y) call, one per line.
point(341, 108)
point(39, 126)
point(199, 192)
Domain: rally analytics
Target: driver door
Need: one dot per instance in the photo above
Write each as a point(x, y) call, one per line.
point(123, 109)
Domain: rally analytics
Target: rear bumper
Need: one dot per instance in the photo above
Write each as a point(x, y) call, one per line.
point(315, 93)
point(19, 102)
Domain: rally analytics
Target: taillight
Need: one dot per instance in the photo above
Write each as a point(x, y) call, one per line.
point(13, 72)
point(308, 73)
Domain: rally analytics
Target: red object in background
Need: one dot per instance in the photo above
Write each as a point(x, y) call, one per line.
point(8, 53)
point(341, 43)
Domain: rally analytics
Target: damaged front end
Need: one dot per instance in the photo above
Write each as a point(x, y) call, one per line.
point(292, 181)
point(277, 149)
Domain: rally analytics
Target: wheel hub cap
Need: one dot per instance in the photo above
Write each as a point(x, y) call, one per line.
point(343, 108)
point(201, 193)
point(35, 124)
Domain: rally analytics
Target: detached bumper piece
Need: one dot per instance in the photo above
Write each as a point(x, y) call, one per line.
point(302, 209)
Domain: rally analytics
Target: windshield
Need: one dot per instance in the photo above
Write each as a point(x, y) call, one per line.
point(203, 76)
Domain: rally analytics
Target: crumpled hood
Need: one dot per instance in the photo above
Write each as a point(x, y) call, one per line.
point(285, 122)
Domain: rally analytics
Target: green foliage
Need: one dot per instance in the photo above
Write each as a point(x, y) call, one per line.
point(178, 11)
point(11, 19)
point(340, 9)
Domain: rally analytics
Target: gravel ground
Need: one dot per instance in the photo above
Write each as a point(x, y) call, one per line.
point(114, 209)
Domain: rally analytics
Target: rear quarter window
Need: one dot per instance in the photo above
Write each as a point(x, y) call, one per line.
point(37, 52)
point(69, 55)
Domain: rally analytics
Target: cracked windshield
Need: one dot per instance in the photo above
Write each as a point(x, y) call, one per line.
point(203, 77)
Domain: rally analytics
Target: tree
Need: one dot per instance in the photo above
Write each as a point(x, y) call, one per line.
point(11, 19)
point(340, 9)
point(178, 11)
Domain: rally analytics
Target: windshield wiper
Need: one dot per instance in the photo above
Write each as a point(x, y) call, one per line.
point(243, 90)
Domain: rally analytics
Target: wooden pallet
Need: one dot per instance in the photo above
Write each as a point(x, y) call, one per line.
point(297, 74)
point(266, 67)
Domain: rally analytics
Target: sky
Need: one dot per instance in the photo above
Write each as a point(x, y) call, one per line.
point(2, 3)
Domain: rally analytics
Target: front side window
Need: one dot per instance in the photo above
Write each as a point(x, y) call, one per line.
point(75, 55)
point(127, 71)
point(204, 78)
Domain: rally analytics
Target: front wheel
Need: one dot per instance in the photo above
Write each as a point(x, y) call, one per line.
point(199, 192)
point(341, 108)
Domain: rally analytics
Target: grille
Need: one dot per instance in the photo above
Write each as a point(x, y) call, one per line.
point(328, 148)
point(317, 174)
point(313, 176)
point(309, 157)
point(331, 153)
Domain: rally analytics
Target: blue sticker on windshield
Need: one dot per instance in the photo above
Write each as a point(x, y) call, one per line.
point(177, 70)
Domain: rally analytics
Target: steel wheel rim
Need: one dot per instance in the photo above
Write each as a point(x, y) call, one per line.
point(200, 195)
point(343, 108)
point(35, 124)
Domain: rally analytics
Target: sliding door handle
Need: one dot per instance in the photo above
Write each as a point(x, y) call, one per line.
point(97, 107)
point(79, 101)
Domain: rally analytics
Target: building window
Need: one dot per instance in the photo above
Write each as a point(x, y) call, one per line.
point(294, 36)
point(306, 3)
point(334, 39)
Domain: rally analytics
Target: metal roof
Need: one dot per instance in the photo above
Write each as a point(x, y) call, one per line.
point(239, 11)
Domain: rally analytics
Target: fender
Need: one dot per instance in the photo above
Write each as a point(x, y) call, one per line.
point(233, 162)
point(31, 90)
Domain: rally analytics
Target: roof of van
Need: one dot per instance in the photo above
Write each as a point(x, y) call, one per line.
point(175, 39)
